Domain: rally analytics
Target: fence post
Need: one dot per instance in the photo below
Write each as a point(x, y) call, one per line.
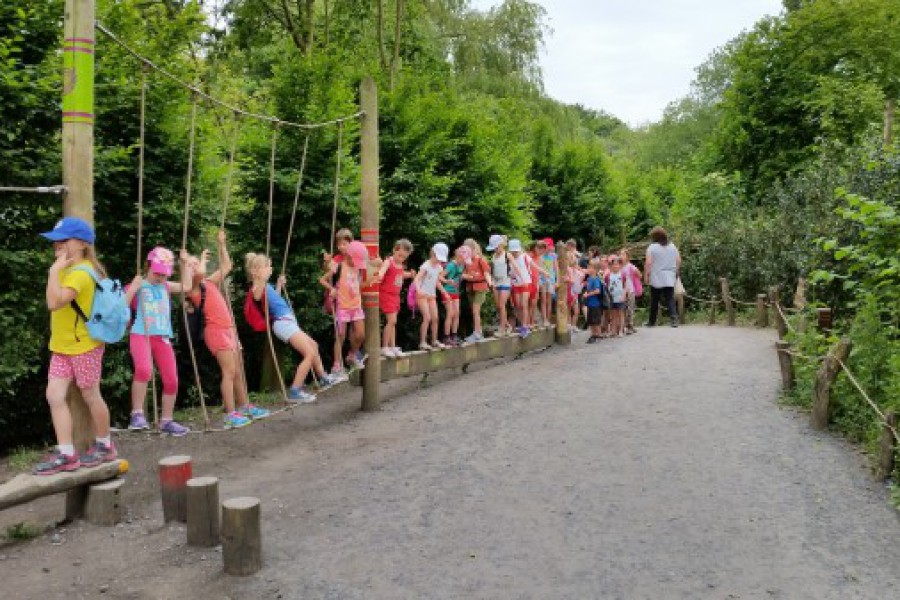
point(786, 362)
point(729, 305)
point(762, 312)
point(712, 310)
point(823, 318)
point(563, 335)
point(831, 366)
point(369, 224)
point(886, 447)
point(778, 312)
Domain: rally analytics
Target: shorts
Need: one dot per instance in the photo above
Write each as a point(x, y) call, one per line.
point(477, 297)
point(348, 315)
point(595, 314)
point(533, 291)
point(219, 340)
point(450, 297)
point(521, 289)
point(286, 328)
point(502, 288)
point(85, 369)
point(618, 305)
point(389, 303)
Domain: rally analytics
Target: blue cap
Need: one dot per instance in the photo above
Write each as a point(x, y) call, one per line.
point(71, 228)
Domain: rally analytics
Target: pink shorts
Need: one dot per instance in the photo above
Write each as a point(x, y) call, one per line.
point(85, 368)
point(218, 340)
point(348, 315)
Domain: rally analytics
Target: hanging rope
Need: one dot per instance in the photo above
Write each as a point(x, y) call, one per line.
point(276, 366)
point(184, 234)
point(231, 155)
point(337, 184)
point(140, 236)
point(287, 245)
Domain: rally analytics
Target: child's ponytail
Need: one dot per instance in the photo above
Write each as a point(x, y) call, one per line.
point(91, 254)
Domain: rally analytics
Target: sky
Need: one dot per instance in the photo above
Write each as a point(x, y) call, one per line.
point(631, 58)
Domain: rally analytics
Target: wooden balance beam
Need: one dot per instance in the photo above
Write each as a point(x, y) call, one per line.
point(422, 362)
point(25, 488)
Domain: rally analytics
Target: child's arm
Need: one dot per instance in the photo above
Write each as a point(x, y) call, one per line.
point(411, 274)
point(133, 288)
point(187, 272)
point(325, 280)
point(385, 265)
point(57, 295)
point(279, 284)
point(225, 264)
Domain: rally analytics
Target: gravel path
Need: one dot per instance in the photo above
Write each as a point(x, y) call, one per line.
point(658, 466)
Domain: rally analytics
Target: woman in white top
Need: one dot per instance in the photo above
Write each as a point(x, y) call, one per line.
point(661, 270)
point(500, 269)
point(427, 280)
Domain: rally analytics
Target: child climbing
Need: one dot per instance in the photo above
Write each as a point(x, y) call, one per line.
point(343, 280)
point(500, 273)
point(390, 278)
point(520, 274)
point(427, 280)
point(150, 341)
point(75, 356)
point(478, 280)
point(452, 283)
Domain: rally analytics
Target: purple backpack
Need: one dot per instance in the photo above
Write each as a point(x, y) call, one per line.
point(411, 298)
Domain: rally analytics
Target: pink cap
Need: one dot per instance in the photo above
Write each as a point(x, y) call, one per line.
point(358, 252)
point(549, 242)
point(161, 261)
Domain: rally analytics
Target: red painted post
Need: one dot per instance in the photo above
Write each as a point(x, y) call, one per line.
point(174, 473)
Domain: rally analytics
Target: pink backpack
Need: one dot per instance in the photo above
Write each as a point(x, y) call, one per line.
point(411, 298)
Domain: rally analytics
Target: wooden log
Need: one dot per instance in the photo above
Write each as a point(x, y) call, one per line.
point(241, 536)
point(679, 301)
point(24, 488)
point(828, 371)
point(762, 312)
point(712, 311)
point(729, 305)
point(369, 223)
point(886, 447)
point(104, 503)
point(174, 472)
point(786, 362)
point(823, 318)
point(563, 335)
point(203, 524)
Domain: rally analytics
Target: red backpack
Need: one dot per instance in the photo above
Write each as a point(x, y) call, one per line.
point(255, 312)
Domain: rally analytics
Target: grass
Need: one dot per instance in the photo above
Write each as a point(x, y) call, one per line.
point(22, 531)
point(22, 459)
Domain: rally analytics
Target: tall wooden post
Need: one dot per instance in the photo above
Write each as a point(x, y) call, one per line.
point(828, 372)
point(563, 335)
point(369, 219)
point(762, 312)
point(726, 298)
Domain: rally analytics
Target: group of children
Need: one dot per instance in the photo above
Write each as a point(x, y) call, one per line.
point(603, 287)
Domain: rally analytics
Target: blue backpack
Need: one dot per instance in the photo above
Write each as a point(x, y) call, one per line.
point(110, 314)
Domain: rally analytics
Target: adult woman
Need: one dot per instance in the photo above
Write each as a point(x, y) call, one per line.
point(661, 269)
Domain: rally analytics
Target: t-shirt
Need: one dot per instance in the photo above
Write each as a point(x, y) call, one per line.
point(500, 270)
point(522, 275)
point(392, 283)
point(278, 306)
point(348, 295)
point(477, 269)
point(663, 264)
point(616, 282)
point(154, 310)
point(631, 276)
point(453, 275)
point(549, 263)
point(68, 331)
point(428, 282)
point(594, 284)
point(215, 310)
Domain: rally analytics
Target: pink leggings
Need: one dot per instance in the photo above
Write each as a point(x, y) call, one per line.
point(163, 355)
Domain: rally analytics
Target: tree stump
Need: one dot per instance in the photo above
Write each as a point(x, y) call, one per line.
point(104, 503)
point(174, 472)
point(831, 366)
point(786, 361)
point(203, 511)
point(241, 536)
point(886, 447)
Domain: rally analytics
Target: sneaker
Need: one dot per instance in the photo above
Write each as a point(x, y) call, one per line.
point(98, 454)
point(524, 332)
point(301, 396)
point(437, 345)
point(254, 412)
point(336, 377)
point(361, 356)
point(138, 422)
point(355, 362)
point(674, 323)
point(424, 346)
point(388, 353)
point(398, 353)
point(235, 420)
point(475, 337)
point(174, 429)
point(57, 462)
point(592, 340)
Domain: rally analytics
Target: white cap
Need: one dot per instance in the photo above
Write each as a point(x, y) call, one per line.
point(441, 251)
point(494, 242)
point(515, 246)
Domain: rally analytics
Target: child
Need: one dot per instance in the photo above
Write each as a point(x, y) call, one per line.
point(285, 328)
point(74, 354)
point(478, 281)
point(521, 285)
point(633, 289)
point(452, 281)
point(219, 333)
point(390, 278)
point(426, 282)
point(549, 279)
point(500, 273)
point(575, 278)
point(536, 271)
point(592, 299)
point(151, 340)
point(615, 281)
point(343, 282)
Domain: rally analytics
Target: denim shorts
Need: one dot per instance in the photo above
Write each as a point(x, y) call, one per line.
point(285, 328)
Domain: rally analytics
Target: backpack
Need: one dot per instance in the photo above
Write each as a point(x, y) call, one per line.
point(411, 298)
point(196, 320)
point(110, 315)
point(255, 311)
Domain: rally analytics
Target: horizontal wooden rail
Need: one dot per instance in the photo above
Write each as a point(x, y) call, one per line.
point(24, 488)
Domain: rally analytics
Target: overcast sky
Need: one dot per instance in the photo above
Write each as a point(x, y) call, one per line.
point(632, 57)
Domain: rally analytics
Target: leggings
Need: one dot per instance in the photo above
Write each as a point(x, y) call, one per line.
point(163, 355)
point(667, 296)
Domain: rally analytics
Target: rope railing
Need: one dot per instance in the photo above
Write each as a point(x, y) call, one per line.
point(237, 111)
point(868, 400)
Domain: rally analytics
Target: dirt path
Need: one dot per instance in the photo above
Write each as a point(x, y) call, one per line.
point(658, 466)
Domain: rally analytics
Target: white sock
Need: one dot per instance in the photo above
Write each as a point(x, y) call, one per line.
point(67, 449)
point(106, 441)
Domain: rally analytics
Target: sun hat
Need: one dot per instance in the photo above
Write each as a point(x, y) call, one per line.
point(161, 261)
point(515, 246)
point(441, 251)
point(71, 228)
point(359, 254)
point(494, 241)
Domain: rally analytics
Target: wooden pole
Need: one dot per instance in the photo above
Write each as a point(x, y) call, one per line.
point(369, 221)
point(241, 536)
point(563, 335)
point(886, 447)
point(831, 366)
point(679, 301)
point(786, 362)
point(762, 313)
point(712, 311)
point(729, 305)
point(174, 473)
point(203, 523)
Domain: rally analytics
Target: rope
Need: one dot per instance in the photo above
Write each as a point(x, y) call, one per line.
point(689, 297)
point(287, 245)
point(217, 102)
point(868, 400)
point(232, 153)
point(337, 184)
point(187, 212)
point(52, 189)
point(784, 317)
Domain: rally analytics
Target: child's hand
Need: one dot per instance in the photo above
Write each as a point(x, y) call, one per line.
point(137, 281)
point(62, 260)
point(281, 281)
point(183, 255)
point(204, 256)
point(220, 237)
point(333, 293)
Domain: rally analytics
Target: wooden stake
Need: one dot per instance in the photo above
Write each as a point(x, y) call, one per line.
point(823, 318)
point(762, 313)
point(786, 362)
point(563, 335)
point(241, 536)
point(800, 294)
point(712, 311)
point(831, 366)
point(729, 305)
point(104, 503)
point(174, 472)
point(203, 524)
point(777, 312)
point(369, 224)
point(886, 447)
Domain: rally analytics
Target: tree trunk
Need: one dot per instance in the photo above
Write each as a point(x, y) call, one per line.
point(395, 60)
point(379, 35)
point(890, 106)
